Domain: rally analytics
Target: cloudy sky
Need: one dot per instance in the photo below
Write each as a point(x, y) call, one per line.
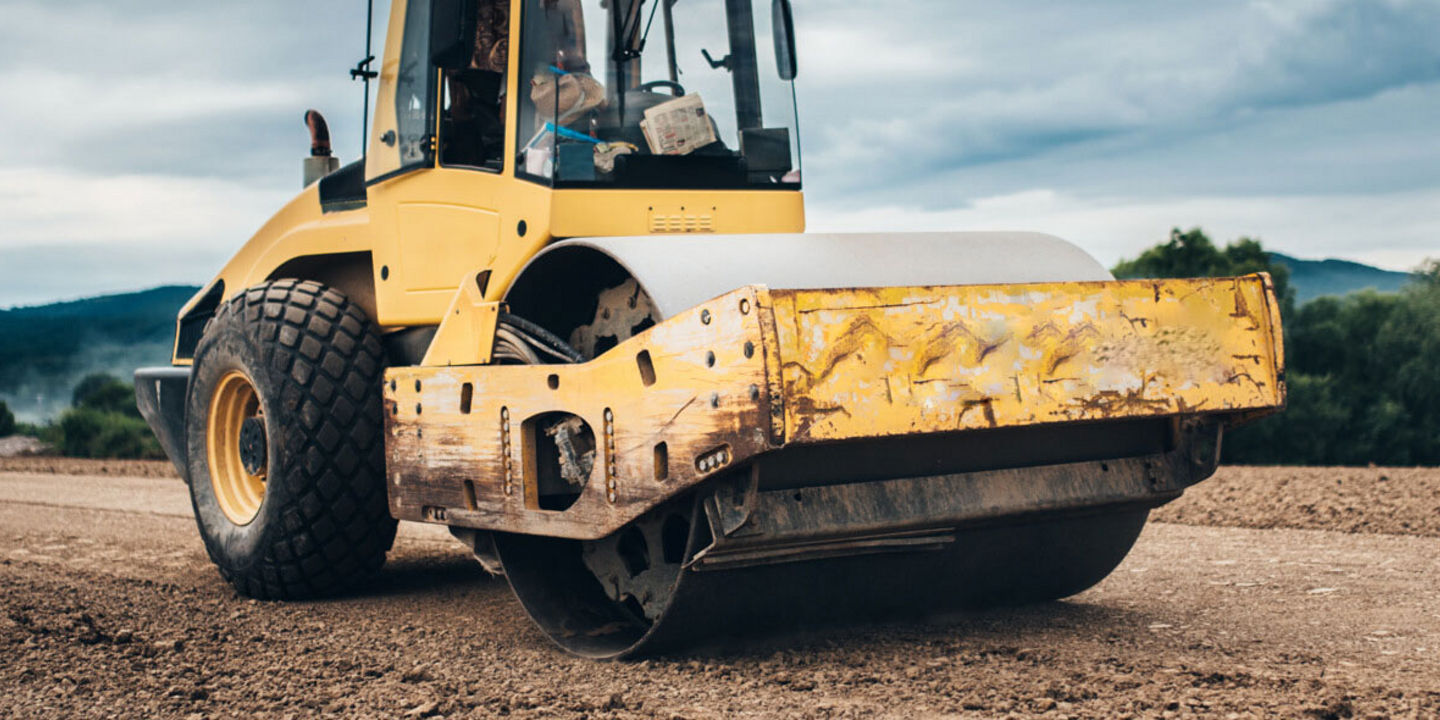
point(147, 139)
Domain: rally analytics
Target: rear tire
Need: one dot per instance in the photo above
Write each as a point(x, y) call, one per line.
point(286, 446)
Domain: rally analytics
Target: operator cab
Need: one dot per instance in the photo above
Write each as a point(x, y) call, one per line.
point(655, 94)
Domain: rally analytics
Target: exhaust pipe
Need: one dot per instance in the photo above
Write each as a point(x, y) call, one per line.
point(321, 162)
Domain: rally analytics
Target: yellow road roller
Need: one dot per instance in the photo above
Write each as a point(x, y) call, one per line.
point(565, 305)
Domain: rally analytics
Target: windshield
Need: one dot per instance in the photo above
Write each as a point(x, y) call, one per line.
point(655, 94)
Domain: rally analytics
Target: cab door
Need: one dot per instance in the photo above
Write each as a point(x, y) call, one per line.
point(433, 229)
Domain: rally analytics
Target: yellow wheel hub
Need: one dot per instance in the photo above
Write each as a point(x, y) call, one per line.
point(237, 466)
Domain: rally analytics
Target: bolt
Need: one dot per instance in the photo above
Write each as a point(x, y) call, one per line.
point(715, 400)
point(754, 393)
point(744, 306)
point(705, 317)
point(710, 359)
point(749, 349)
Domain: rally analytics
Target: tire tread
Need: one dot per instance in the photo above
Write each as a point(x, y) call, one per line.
point(324, 355)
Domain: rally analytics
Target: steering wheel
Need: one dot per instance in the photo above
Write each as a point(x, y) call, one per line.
point(675, 88)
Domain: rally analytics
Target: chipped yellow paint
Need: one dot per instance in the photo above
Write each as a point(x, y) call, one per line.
point(893, 361)
point(441, 434)
point(757, 370)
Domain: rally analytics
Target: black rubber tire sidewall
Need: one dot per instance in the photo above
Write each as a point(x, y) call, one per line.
point(315, 361)
point(233, 547)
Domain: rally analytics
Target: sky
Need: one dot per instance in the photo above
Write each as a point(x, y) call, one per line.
point(148, 139)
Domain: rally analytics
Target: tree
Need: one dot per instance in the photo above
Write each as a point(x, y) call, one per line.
point(7, 420)
point(1361, 368)
point(89, 433)
point(103, 422)
point(105, 393)
point(1428, 273)
point(1192, 254)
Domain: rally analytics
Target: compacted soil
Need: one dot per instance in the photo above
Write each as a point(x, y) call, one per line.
point(1385, 501)
point(1266, 592)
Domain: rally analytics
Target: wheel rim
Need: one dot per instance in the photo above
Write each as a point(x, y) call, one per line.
point(239, 485)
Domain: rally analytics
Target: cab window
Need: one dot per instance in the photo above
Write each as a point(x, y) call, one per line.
point(415, 89)
point(472, 118)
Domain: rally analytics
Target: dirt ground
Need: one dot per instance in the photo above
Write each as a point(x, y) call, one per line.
point(74, 466)
point(1386, 501)
point(1283, 592)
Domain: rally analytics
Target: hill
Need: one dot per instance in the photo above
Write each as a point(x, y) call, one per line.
point(1317, 278)
point(48, 348)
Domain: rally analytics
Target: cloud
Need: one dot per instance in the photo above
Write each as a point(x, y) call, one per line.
point(1139, 74)
point(1385, 230)
point(117, 78)
point(149, 138)
point(1349, 49)
point(69, 235)
point(40, 274)
point(54, 208)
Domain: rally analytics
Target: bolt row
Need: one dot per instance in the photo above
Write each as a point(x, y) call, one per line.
point(612, 492)
point(509, 459)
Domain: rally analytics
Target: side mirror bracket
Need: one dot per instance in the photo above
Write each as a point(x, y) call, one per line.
point(783, 28)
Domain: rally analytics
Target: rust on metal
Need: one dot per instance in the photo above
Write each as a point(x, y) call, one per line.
point(689, 399)
point(609, 393)
point(891, 361)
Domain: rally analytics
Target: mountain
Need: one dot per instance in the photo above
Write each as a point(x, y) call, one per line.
point(1316, 278)
point(47, 349)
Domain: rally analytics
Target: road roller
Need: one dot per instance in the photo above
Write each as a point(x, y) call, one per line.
point(565, 305)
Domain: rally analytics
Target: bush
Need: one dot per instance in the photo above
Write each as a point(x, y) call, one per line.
point(102, 423)
point(90, 433)
point(7, 420)
point(105, 393)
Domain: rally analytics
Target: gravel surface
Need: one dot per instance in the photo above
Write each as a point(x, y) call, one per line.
point(78, 466)
point(109, 608)
point(1391, 501)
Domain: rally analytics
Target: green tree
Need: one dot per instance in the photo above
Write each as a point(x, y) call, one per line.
point(1362, 380)
point(105, 393)
point(1407, 355)
point(1428, 273)
point(1193, 254)
point(103, 422)
point(1302, 435)
point(7, 420)
point(89, 433)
